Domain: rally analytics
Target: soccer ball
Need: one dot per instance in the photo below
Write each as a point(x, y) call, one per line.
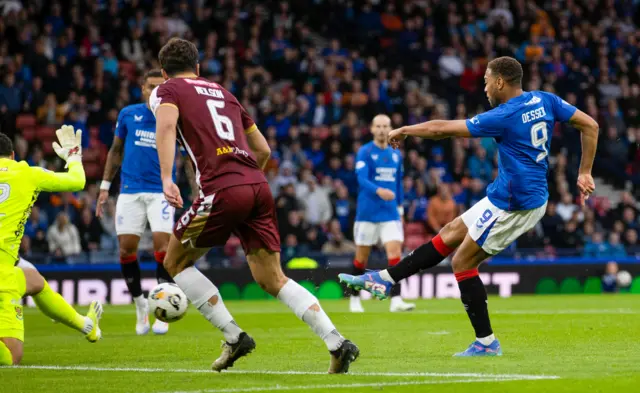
point(167, 302)
point(624, 279)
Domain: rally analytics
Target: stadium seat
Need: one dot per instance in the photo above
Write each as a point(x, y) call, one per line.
point(46, 133)
point(29, 134)
point(411, 242)
point(25, 121)
point(414, 228)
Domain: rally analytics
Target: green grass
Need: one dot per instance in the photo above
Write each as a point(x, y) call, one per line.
point(590, 343)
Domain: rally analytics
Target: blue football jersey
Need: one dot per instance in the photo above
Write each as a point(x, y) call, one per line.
point(140, 170)
point(378, 168)
point(522, 127)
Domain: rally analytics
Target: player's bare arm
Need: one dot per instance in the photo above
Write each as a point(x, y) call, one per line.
point(589, 130)
point(434, 129)
point(166, 123)
point(114, 161)
point(260, 147)
point(191, 177)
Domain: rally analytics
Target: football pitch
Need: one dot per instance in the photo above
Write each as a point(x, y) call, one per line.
point(551, 344)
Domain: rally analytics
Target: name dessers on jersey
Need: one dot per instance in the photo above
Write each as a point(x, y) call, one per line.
point(522, 127)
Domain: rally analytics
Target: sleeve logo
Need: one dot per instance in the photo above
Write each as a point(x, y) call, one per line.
point(475, 120)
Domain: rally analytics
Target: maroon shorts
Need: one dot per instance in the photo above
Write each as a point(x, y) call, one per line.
point(247, 211)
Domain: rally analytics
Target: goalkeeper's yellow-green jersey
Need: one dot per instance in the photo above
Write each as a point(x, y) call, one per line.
point(20, 185)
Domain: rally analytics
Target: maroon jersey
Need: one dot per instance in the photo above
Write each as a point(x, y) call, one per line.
point(212, 127)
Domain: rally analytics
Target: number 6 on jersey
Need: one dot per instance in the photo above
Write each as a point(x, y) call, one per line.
point(219, 120)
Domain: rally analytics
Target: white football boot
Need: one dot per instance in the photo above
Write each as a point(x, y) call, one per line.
point(399, 305)
point(160, 327)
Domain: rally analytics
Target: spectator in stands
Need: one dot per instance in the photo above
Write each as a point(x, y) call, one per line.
point(480, 166)
point(89, 230)
point(337, 243)
point(441, 210)
point(63, 238)
point(566, 208)
point(610, 277)
point(318, 210)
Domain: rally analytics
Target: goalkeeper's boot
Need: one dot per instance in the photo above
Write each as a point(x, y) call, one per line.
point(370, 282)
point(342, 357)
point(479, 349)
point(94, 314)
point(233, 352)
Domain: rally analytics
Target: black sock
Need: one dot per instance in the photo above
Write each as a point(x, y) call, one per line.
point(162, 275)
point(421, 258)
point(356, 272)
point(131, 273)
point(474, 297)
point(395, 290)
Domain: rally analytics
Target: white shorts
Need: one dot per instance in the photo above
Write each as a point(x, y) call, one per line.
point(372, 233)
point(134, 210)
point(495, 229)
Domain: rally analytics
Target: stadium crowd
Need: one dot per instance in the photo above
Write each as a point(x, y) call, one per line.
point(313, 74)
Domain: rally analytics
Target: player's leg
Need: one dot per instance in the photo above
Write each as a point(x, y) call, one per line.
point(12, 289)
point(160, 216)
point(359, 265)
point(130, 225)
point(260, 240)
point(267, 272)
point(392, 236)
point(55, 307)
point(490, 230)
point(424, 257)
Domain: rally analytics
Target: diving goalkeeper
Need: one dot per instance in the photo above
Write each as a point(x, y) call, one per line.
point(20, 185)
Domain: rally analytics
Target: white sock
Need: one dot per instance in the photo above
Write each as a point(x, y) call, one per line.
point(307, 308)
point(199, 290)
point(140, 301)
point(384, 274)
point(486, 340)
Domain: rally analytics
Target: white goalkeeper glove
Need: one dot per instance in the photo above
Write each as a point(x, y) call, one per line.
point(70, 146)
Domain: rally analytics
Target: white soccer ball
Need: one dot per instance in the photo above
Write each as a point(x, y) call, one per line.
point(624, 278)
point(167, 302)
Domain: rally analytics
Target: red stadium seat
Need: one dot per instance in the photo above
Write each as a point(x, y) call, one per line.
point(29, 133)
point(46, 133)
point(25, 121)
point(414, 241)
point(415, 228)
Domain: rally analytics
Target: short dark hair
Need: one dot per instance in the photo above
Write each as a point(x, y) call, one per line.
point(508, 69)
point(6, 146)
point(153, 73)
point(177, 56)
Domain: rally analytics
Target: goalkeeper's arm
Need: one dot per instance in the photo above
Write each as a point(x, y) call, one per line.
point(70, 150)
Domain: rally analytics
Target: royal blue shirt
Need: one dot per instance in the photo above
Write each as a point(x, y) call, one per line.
point(378, 168)
point(522, 127)
point(140, 170)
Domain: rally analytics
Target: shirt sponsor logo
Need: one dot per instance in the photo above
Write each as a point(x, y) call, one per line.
point(146, 138)
point(386, 174)
point(231, 149)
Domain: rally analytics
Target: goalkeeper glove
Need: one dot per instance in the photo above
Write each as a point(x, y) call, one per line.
point(70, 146)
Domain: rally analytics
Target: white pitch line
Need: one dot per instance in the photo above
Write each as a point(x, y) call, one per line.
point(279, 388)
point(615, 311)
point(275, 372)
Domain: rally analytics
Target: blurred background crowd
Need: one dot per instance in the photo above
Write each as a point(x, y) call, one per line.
point(313, 73)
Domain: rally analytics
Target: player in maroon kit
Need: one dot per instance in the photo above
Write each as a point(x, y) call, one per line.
point(228, 153)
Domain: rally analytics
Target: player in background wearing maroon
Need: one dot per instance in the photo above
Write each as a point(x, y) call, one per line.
point(228, 152)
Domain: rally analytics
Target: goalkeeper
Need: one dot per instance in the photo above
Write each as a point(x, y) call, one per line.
point(20, 185)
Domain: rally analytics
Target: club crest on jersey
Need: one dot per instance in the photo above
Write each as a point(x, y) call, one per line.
point(374, 157)
point(19, 314)
point(395, 158)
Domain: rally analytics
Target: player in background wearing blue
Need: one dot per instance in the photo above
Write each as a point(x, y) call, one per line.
point(141, 198)
point(379, 210)
point(521, 122)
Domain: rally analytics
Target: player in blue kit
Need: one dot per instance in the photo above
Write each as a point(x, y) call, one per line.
point(141, 198)
point(379, 209)
point(521, 122)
